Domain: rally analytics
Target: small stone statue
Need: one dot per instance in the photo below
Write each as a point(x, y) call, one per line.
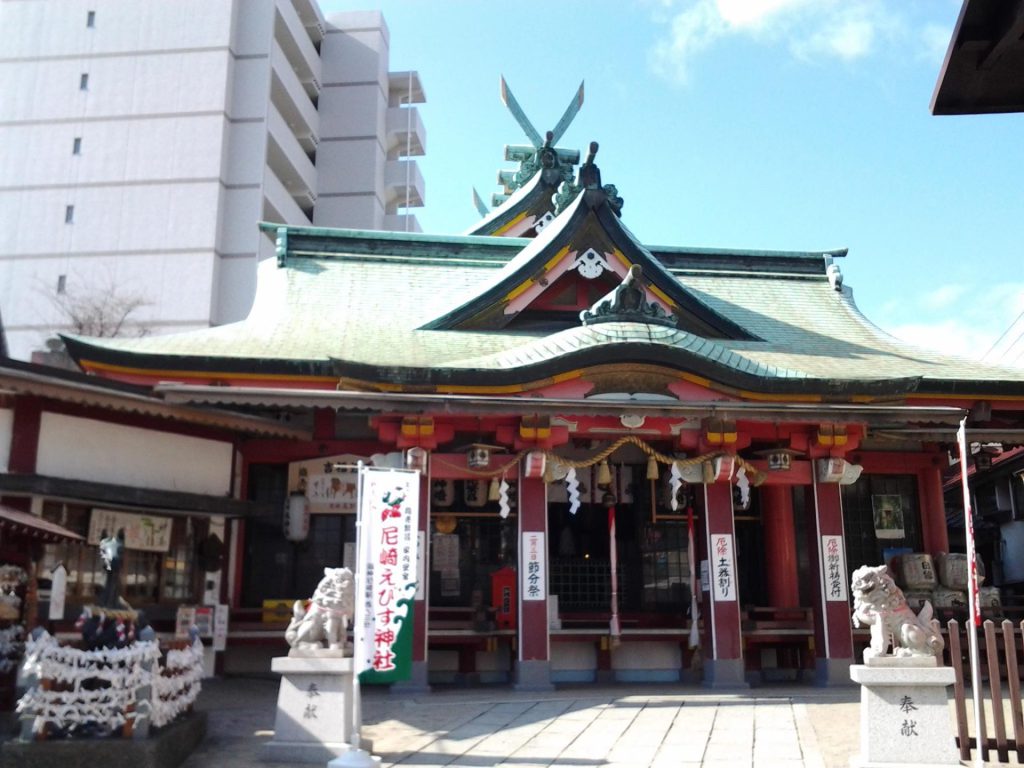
point(879, 603)
point(326, 619)
point(112, 552)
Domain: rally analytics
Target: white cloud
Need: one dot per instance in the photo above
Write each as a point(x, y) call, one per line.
point(845, 38)
point(950, 337)
point(949, 320)
point(942, 297)
point(810, 29)
point(934, 40)
point(754, 13)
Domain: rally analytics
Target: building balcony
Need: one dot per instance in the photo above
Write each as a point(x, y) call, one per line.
point(289, 95)
point(312, 19)
point(287, 158)
point(279, 205)
point(403, 185)
point(405, 88)
point(405, 134)
point(291, 34)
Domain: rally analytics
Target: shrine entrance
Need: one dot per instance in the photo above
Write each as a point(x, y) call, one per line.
point(775, 583)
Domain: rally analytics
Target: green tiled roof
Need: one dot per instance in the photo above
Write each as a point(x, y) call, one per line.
point(348, 299)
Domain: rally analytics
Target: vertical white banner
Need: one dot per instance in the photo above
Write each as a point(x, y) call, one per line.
point(534, 576)
point(387, 568)
point(723, 567)
point(834, 559)
point(58, 592)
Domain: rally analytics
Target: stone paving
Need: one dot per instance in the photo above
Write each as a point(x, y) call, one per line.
point(615, 727)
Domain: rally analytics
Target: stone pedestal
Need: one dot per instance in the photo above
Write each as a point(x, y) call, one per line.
point(314, 710)
point(904, 714)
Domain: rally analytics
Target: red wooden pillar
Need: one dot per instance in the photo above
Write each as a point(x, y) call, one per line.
point(24, 445)
point(780, 546)
point(533, 663)
point(933, 510)
point(724, 665)
point(418, 681)
point(833, 629)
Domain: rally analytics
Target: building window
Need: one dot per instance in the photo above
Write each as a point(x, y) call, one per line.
point(90, 19)
point(83, 82)
point(146, 577)
point(76, 146)
point(69, 214)
point(62, 283)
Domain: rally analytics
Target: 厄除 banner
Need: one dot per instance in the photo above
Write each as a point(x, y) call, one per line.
point(387, 567)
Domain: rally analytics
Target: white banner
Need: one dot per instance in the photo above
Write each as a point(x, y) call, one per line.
point(534, 577)
point(387, 573)
point(833, 561)
point(145, 533)
point(723, 567)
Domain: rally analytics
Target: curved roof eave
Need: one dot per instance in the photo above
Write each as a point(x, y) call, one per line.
point(522, 202)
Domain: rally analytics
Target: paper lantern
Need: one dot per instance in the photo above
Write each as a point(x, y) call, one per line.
point(416, 458)
point(535, 464)
point(296, 517)
point(478, 457)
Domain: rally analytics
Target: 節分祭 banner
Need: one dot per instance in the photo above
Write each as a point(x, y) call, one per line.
point(388, 516)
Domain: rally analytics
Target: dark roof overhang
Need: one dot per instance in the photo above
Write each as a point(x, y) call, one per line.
point(123, 496)
point(876, 416)
point(983, 71)
point(32, 527)
point(72, 387)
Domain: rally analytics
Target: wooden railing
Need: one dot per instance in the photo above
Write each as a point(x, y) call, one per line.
point(998, 663)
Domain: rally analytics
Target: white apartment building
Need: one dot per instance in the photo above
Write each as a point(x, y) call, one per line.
point(142, 140)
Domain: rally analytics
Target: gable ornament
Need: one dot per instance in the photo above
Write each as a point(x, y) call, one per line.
point(627, 304)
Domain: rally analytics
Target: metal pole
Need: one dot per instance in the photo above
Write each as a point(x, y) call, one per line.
point(972, 594)
point(358, 653)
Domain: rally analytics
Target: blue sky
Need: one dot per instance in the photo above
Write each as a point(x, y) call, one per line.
point(775, 124)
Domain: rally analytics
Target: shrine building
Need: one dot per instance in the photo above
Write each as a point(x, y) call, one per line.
point(577, 400)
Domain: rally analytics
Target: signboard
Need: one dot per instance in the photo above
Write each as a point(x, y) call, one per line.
point(220, 628)
point(383, 627)
point(534, 583)
point(185, 618)
point(887, 510)
point(204, 620)
point(146, 533)
point(723, 568)
point(834, 566)
point(329, 489)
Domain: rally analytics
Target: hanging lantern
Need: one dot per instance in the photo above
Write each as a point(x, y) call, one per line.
point(416, 458)
point(442, 493)
point(604, 473)
point(478, 456)
point(718, 469)
point(830, 469)
point(296, 517)
point(474, 492)
point(652, 468)
point(535, 464)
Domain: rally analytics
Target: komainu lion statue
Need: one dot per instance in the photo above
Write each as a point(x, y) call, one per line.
point(326, 619)
point(879, 603)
